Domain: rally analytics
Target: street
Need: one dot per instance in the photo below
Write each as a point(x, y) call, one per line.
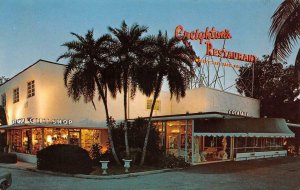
point(277, 173)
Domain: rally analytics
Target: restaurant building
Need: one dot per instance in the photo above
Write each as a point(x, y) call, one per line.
point(207, 125)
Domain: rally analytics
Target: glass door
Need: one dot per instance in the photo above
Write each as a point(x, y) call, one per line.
point(74, 135)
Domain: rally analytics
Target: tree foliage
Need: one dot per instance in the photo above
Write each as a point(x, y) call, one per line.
point(3, 79)
point(274, 85)
point(136, 136)
point(129, 49)
point(170, 60)
point(88, 73)
point(285, 30)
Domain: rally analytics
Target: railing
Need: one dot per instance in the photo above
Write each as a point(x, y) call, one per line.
point(258, 149)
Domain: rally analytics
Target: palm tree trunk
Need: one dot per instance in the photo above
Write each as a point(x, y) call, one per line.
point(156, 93)
point(125, 118)
point(111, 142)
point(108, 123)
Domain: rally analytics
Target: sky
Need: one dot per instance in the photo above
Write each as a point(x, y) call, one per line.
point(35, 29)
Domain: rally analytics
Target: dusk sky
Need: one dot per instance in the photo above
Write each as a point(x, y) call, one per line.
point(35, 29)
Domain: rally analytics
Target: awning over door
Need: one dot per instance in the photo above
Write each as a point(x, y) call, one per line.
point(242, 127)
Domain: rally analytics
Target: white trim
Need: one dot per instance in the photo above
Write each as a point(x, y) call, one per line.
point(258, 155)
point(186, 117)
point(293, 125)
point(286, 135)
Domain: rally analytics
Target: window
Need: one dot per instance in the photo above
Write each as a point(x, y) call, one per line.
point(156, 105)
point(16, 95)
point(3, 100)
point(30, 89)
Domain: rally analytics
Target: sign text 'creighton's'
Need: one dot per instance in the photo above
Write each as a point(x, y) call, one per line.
point(31, 120)
point(209, 35)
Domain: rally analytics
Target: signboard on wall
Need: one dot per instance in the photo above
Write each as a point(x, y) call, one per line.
point(41, 121)
point(236, 112)
point(156, 106)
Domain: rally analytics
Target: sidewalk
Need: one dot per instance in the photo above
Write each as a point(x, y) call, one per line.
point(32, 167)
point(20, 166)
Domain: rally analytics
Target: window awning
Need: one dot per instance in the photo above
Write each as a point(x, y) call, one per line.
point(242, 127)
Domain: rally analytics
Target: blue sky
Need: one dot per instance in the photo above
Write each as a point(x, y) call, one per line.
point(35, 29)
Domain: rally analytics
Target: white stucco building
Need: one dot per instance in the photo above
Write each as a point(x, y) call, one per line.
point(40, 113)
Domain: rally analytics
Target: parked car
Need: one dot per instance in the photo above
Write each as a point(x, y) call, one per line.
point(5, 180)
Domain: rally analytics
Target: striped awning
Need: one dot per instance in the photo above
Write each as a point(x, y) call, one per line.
point(243, 127)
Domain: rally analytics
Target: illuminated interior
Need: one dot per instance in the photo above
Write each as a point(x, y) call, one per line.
point(30, 141)
point(176, 137)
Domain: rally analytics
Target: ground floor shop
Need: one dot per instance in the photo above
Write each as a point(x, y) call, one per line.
point(29, 140)
point(198, 138)
point(294, 144)
point(213, 138)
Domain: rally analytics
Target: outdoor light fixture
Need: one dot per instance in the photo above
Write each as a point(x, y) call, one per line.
point(175, 131)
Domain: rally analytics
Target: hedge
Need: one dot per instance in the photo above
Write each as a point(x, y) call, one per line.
point(8, 158)
point(64, 158)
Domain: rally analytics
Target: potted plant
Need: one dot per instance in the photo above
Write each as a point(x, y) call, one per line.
point(127, 161)
point(104, 160)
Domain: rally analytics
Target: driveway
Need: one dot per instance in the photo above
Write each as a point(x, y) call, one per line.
point(277, 173)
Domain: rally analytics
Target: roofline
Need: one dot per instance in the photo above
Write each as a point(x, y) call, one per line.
point(30, 67)
point(293, 125)
point(194, 116)
point(231, 93)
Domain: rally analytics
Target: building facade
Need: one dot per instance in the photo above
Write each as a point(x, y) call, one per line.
point(40, 113)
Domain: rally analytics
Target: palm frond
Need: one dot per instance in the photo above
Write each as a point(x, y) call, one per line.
point(285, 28)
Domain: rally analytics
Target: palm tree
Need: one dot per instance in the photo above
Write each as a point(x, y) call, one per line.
point(129, 51)
point(285, 29)
point(171, 61)
point(85, 74)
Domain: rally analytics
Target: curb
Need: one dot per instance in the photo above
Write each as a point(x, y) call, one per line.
point(83, 176)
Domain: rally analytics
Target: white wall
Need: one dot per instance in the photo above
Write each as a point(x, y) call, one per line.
point(211, 100)
point(52, 102)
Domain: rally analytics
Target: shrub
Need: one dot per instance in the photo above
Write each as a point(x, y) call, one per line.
point(95, 154)
point(136, 136)
point(8, 158)
point(64, 158)
point(171, 161)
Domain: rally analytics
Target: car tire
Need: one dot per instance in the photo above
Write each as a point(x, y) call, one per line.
point(3, 186)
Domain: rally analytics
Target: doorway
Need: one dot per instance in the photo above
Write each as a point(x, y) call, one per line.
point(75, 136)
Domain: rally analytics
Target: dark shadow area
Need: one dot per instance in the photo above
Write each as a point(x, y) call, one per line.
point(238, 166)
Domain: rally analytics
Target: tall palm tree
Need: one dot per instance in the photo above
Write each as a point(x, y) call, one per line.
point(85, 74)
point(285, 30)
point(129, 50)
point(171, 61)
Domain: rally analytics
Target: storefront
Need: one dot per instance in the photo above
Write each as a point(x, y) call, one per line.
point(294, 144)
point(213, 137)
point(27, 140)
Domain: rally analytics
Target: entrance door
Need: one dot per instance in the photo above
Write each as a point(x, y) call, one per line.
point(74, 137)
point(174, 144)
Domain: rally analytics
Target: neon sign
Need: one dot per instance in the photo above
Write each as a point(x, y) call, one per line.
point(212, 34)
point(208, 35)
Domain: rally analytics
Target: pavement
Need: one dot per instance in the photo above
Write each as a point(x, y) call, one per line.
point(32, 167)
point(276, 173)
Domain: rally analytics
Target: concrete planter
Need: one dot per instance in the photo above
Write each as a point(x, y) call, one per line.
point(126, 165)
point(104, 167)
